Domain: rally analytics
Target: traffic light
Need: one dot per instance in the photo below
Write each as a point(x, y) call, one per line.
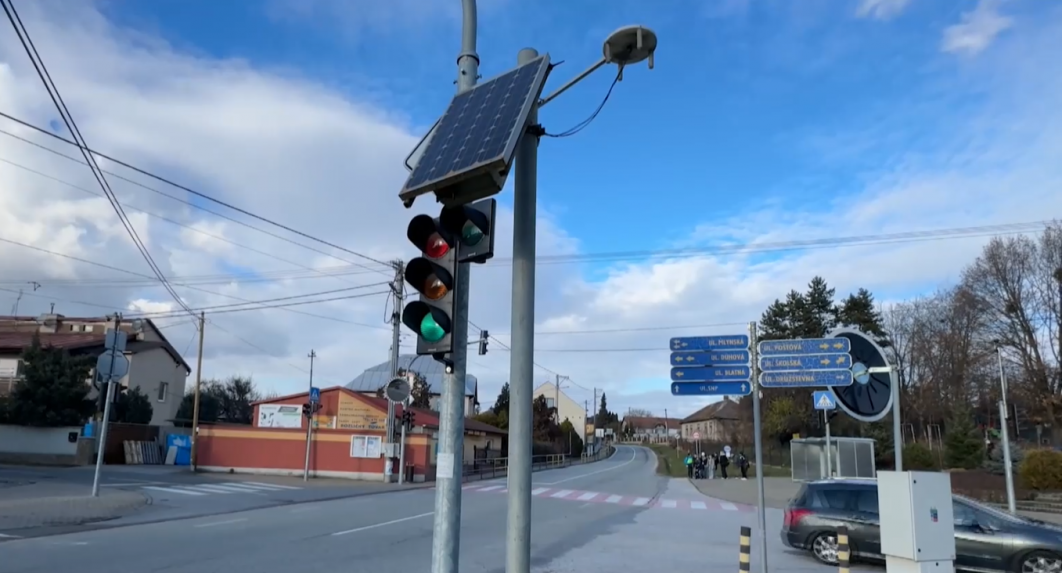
point(434, 276)
point(472, 226)
point(306, 410)
point(483, 336)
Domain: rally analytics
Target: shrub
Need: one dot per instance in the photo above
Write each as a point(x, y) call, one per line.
point(917, 457)
point(994, 463)
point(962, 445)
point(1042, 470)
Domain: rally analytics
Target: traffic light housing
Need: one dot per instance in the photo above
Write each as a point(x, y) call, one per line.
point(483, 336)
point(306, 409)
point(434, 275)
point(408, 418)
point(472, 226)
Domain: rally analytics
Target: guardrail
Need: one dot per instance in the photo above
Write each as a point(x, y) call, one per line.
point(499, 467)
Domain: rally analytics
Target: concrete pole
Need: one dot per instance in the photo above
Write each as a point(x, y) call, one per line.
point(396, 331)
point(101, 441)
point(761, 512)
point(446, 533)
point(897, 429)
point(198, 386)
point(309, 421)
point(521, 365)
point(1007, 471)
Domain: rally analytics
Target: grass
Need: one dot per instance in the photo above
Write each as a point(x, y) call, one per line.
point(669, 462)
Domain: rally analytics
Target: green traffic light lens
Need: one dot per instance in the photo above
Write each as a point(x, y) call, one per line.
point(430, 330)
point(471, 235)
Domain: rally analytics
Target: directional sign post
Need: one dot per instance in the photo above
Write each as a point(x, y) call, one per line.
point(807, 362)
point(711, 366)
point(711, 388)
point(824, 400)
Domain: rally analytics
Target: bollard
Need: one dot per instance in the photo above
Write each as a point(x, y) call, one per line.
point(746, 550)
point(842, 549)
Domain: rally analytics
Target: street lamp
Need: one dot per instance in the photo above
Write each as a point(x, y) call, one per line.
point(1007, 470)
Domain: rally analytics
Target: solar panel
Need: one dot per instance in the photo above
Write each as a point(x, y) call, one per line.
point(479, 132)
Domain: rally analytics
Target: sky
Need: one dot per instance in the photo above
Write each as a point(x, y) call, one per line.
point(763, 123)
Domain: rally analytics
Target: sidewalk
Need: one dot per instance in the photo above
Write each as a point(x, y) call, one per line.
point(28, 506)
point(777, 491)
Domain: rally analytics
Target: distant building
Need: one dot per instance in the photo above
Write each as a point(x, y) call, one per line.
point(651, 428)
point(715, 422)
point(370, 381)
point(155, 366)
point(567, 408)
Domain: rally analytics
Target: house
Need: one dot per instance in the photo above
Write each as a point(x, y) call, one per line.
point(716, 422)
point(651, 429)
point(155, 366)
point(567, 408)
point(370, 381)
point(347, 442)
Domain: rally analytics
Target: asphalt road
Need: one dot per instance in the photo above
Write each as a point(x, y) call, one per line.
point(612, 515)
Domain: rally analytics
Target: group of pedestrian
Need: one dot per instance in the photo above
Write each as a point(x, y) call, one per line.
point(707, 466)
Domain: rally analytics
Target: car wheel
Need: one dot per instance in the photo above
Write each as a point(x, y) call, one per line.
point(824, 548)
point(1040, 562)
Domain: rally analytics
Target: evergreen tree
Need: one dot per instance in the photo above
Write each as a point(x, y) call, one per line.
point(602, 416)
point(54, 388)
point(962, 446)
point(502, 403)
point(420, 393)
point(859, 311)
point(133, 407)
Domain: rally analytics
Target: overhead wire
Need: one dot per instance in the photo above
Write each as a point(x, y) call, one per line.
point(271, 302)
point(586, 122)
point(79, 140)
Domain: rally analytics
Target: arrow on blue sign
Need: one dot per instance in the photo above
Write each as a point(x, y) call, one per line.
point(712, 374)
point(702, 343)
point(806, 378)
point(715, 358)
point(711, 389)
point(838, 345)
point(823, 400)
point(806, 362)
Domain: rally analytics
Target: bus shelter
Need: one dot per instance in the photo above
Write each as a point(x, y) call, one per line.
point(849, 458)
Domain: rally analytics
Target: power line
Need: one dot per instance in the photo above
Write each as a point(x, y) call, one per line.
point(633, 329)
point(79, 140)
point(239, 306)
point(506, 347)
point(191, 191)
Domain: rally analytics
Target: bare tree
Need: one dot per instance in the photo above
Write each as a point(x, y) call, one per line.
point(639, 413)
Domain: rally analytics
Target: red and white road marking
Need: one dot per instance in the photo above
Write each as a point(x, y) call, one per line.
point(598, 497)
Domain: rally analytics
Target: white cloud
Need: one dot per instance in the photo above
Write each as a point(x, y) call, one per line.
point(881, 9)
point(976, 29)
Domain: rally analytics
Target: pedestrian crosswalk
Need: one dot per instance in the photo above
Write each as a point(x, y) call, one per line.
point(706, 504)
point(219, 488)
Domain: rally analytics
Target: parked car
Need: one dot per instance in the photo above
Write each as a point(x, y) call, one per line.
point(986, 539)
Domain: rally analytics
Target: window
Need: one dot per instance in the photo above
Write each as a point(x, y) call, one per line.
point(164, 389)
point(549, 402)
point(867, 501)
point(365, 446)
point(963, 515)
point(831, 499)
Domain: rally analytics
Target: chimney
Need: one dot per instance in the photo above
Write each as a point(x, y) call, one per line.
point(50, 323)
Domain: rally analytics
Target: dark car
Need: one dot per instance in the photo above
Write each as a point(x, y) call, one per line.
point(986, 539)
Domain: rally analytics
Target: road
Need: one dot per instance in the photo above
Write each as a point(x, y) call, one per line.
point(613, 515)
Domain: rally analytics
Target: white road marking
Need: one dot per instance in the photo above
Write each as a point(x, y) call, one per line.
point(131, 484)
point(614, 499)
point(275, 485)
point(211, 489)
point(539, 491)
point(698, 505)
point(587, 496)
point(229, 488)
point(641, 501)
point(231, 521)
point(669, 504)
point(6, 536)
point(563, 493)
point(492, 487)
point(174, 490)
point(245, 487)
point(634, 454)
point(392, 522)
point(728, 506)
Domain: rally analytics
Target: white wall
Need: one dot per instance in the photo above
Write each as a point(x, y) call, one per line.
point(40, 441)
point(158, 376)
point(568, 409)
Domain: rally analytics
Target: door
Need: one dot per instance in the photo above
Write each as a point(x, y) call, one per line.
point(866, 532)
point(980, 540)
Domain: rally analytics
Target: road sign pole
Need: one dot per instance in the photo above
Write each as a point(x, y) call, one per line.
point(446, 530)
point(101, 443)
point(829, 453)
point(521, 365)
point(757, 433)
point(897, 435)
point(309, 421)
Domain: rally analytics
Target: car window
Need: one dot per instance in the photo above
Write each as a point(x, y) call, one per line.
point(832, 498)
point(800, 499)
point(867, 501)
point(963, 515)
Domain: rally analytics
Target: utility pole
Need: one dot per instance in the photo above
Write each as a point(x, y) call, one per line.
point(757, 437)
point(397, 290)
point(1008, 472)
point(198, 385)
point(309, 419)
point(556, 398)
point(446, 530)
point(101, 443)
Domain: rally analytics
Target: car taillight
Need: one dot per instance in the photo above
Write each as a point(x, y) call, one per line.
point(793, 516)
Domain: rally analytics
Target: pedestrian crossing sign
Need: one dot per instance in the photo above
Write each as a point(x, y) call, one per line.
point(824, 400)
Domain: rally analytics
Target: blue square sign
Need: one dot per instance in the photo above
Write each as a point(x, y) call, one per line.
point(824, 400)
point(315, 394)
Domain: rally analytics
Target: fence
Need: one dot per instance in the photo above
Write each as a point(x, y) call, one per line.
point(499, 467)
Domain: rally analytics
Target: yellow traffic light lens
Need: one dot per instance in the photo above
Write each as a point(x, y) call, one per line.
point(434, 288)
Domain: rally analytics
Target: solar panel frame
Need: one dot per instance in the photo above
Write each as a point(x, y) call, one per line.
point(494, 166)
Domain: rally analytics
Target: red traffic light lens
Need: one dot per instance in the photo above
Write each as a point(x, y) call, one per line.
point(437, 247)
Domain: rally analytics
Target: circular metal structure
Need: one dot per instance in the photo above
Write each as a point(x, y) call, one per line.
point(630, 45)
point(869, 397)
point(398, 389)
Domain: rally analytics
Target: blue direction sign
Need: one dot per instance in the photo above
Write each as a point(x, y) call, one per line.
point(315, 394)
point(712, 374)
point(711, 388)
point(702, 343)
point(838, 345)
point(823, 400)
point(714, 358)
point(806, 362)
point(806, 378)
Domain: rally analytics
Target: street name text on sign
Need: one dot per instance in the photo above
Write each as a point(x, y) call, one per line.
point(711, 365)
point(805, 362)
point(702, 343)
point(712, 358)
point(823, 400)
point(712, 374)
point(711, 388)
point(804, 346)
point(806, 378)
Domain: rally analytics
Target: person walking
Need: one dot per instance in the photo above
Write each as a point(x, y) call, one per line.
point(711, 466)
point(724, 461)
point(689, 465)
point(743, 463)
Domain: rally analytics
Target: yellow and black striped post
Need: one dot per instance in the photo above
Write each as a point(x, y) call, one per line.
point(746, 550)
point(843, 554)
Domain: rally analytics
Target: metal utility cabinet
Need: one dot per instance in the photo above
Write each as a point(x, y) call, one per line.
point(917, 526)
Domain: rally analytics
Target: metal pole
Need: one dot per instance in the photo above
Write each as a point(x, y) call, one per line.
point(397, 289)
point(1002, 380)
point(402, 457)
point(309, 422)
point(198, 383)
point(761, 512)
point(521, 365)
point(101, 444)
point(1007, 471)
point(897, 429)
point(829, 453)
point(446, 533)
